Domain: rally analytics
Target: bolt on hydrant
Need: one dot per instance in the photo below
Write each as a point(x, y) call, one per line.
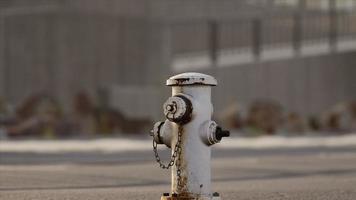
point(189, 132)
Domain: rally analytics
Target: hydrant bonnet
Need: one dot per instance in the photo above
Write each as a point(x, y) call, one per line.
point(191, 78)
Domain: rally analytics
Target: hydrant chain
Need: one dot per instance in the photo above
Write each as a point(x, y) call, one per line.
point(177, 151)
point(178, 161)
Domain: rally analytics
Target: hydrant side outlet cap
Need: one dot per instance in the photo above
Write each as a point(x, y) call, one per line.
point(191, 78)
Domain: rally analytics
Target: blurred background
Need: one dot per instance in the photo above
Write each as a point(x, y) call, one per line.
point(86, 68)
point(83, 81)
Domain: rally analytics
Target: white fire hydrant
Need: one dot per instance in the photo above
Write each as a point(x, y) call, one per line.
point(189, 132)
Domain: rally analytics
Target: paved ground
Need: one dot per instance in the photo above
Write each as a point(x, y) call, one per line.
point(314, 173)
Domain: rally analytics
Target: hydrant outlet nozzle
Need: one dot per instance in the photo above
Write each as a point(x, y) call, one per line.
point(155, 132)
point(162, 133)
point(211, 133)
point(178, 109)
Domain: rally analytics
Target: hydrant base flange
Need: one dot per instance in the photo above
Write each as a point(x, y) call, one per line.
point(189, 198)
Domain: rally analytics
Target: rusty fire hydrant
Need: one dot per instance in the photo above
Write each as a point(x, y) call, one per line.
point(189, 132)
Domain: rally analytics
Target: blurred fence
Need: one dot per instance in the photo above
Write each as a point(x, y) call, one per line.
point(212, 39)
point(64, 47)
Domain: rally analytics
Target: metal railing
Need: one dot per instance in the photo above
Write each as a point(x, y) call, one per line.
point(254, 35)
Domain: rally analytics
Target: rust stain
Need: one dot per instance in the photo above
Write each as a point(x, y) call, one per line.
point(177, 198)
point(183, 193)
point(183, 163)
point(180, 197)
point(182, 81)
point(179, 89)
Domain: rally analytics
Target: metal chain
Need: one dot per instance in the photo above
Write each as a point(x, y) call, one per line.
point(178, 161)
point(175, 158)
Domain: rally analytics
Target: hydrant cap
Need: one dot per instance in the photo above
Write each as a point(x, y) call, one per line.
point(191, 78)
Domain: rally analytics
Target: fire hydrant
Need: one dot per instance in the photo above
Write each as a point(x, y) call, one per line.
point(189, 132)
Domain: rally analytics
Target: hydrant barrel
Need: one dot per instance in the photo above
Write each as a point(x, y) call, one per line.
point(196, 155)
point(189, 132)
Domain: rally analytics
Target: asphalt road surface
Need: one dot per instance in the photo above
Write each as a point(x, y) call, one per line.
point(308, 173)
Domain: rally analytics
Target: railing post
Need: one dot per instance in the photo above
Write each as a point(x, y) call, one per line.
point(297, 33)
point(298, 27)
point(257, 37)
point(213, 42)
point(333, 25)
point(3, 46)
